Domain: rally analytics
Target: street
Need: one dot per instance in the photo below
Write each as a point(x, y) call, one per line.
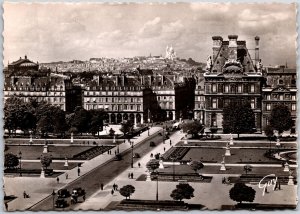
point(105, 173)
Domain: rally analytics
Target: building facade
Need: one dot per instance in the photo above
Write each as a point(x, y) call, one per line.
point(280, 88)
point(231, 75)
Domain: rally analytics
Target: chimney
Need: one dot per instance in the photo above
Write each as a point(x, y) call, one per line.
point(117, 81)
point(232, 47)
point(256, 49)
point(25, 56)
point(217, 43)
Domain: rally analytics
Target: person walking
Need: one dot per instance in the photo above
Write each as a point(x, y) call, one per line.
point(78, 171)
point(131, 175)
point(114, 186)
point(112, 192)
point(67, 176)
point(24, 194)
point(139, 164)
point(164, 149)
point(117, 187)
point(57, 179)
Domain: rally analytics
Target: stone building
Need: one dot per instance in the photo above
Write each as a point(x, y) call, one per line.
point(120, 96)
point(25, 80)
point(232, 75)
point(280, 88)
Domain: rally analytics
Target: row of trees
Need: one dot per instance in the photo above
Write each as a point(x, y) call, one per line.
point(238, 118)
point(45, 118)
point(11, 161)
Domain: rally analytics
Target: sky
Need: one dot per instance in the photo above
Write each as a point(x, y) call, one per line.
point(54, 32)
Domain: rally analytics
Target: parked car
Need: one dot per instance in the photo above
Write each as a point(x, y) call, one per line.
point(136, 155)
point(61, 203)
point(77, 193)
point(63, 193)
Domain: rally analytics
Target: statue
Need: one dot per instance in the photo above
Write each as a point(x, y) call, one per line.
point(208, 63)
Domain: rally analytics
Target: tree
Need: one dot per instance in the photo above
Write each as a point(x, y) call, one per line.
point(46, 161)
point(238, 117)
point(96, 121)
point(241, 192)
point(247, 168)
point(111, 132)
point(280, 119)
point(10, 161)
point(127, 191)
point(269, 132)
point(80, 119)
point(196, 165)
point(152, 165)
point(126, 127)
point(182, 191)
point(192, 127)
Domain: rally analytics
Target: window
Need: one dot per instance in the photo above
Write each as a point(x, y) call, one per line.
point(226, 88)
point(214, 88)
point(125, 107)
point(214, 103)
point(252, 89)
point(293, 107)
point(268, 107)
point(253, 103)
point(138, 108)
point(240, 89)
point(280, 81)
point(281, 97)
point(293, 97)
point(268, 97)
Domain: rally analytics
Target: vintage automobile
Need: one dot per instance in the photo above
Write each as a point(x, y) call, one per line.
point(61, 203)
point(63, 193)
point(76, 194)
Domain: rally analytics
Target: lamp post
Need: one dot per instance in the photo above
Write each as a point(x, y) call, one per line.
point(53, 197)
point(173, 159)
point(156, 185)
point(20, 159)
point(30, 137)
point(132, 155)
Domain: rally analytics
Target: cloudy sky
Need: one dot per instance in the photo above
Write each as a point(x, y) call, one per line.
point(52, 32)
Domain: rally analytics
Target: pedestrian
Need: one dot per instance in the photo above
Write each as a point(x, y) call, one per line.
point(164, 149)
point(131, 175)
point(279, 186)
point(108, 152)
point(112, 192)
point(170, 142)
point(114, 186)
point(67, 176)
point(117, 187)
point(266, 190)
point(139, 164)
point(223, 180)
point(24, 194)
point(78, 171)
point(101, 186)
point(57, 179)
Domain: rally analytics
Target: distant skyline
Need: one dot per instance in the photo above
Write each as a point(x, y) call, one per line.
point(63, 32)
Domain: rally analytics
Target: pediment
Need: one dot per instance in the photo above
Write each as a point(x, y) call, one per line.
point(280, 89)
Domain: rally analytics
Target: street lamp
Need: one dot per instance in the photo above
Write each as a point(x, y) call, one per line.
point(132, 155)
point(53, 197)
point(173, 159)
point(20, 159)
point(156, 185)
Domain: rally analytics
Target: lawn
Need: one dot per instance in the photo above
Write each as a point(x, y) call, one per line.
point(34, 152)
point(249, 155)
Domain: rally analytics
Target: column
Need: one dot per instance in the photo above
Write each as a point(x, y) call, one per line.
point(109, 118)
point(174, 115)
point(142, 118)
point(134, 120)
